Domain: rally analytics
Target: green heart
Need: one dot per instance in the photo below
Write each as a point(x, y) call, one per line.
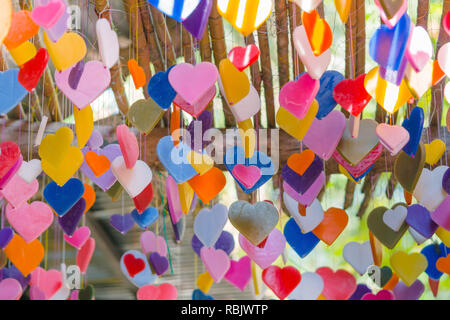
point(384, 273)
point(388, 237)
point(407, 170)
point(86, 293)
point(115, 191)
point(145, 115)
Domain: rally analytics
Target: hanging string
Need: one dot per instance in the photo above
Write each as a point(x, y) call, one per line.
point(164, 220)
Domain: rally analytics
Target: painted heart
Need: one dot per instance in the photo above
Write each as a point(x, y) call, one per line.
point(159, 263)
point(197, 21)
point(364, 166)
point(318, 31)
point(84, 124)
point(311, 218)
point(134, 180)
point(108, 42)
point(137, 73)
point(75, 74)
point(246, 107)
point(324, 96)
point(136, 268)
point(173, 200)
point(84, 255)
point(25, 256)
point(164, 291)
point(61, 199)
point(10, 161)
point(225, 243)
point(198, 107)
point(209, 223)
point(420, 82)
point(302, 243)
point(79, 237)
point(48, 281)
point(301, 174)
point(395, 218)
point(392, 137)
point(145, 114)
point(62, 173)
point(216, 261)
point(70, 220)
point(47, 15)
point(266, 255)
point(122, 223)
point(242, 57)
point(381, 231)
point(408, 266)
point(235, 84)
point(56, 31)
point(10, 289)
point(408, 170)
point(11, 92)
point(153, 243)
point(248, 176)
point(17, 191)
point(339, 285)
point(420, 49)
point(412, 292)
point(176, 9)
point(160, 89)
point(282, 281)
point(61, 141)
point(358, 255)
point(420, 220)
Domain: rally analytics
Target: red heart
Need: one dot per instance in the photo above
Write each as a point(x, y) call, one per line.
point(351, 95)
point(143, 199)
point(133, 265)
point(282, 281)
point(242, 57)
point(446, 23)
point(10, 154)
point(31, 72)
point(338, 285)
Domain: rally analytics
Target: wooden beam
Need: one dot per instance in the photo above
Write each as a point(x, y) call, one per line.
point(165, 40)
point(282, 42)
point(295, 19)
point(151, 38)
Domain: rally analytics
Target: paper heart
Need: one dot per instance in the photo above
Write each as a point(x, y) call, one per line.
point(253, 14)
point(225, 243)
point(22, 29)
point(71, 218)
point(242, 57)
point(318, 31)
point(145, 114)
point(420, 48)
point(6, 17)
point(49, 282)
point(309, 195)
point(159, 263)
point(137, 73)
point(164, 291)
point(294, 126)
point(429, 193)
point(176, 9)
point(434, 151)
point(395, 218)
point(11, 92)
point(302, 243)
point(358, 255)
point(84, 255)
point(160, 89)
point(442, 214)
point(381, 231)
point(25, 256)
point(108, 43)
point(265, 256)
point(351, 95)
point(338, 285)
point(408, 266)
point(61, 199)
point(433, 253)
point(412, 292)
point(309, 288)
point(392, 137)
point(66, 52)
point(282, 281)
point(87, 90)
point(17, 191)
point(6, 234)
point(239, 273)
point(381, 295)
point(47, 15)
point(216, 261)
point(10, 289)
point(209, 223)
point(136, 268)
point(391, 10)
point(380, 276)
point(197, 294)
point(79, 237)
point(197, 21)
point(122, 223)
point(30, 73)
point(30, 220)
point(153, 243)
point(315, 65)
point(134, 180)
point(255, 221)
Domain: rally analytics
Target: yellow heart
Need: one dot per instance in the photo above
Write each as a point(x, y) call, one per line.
point(248, 137)
point(23, 53)
point(387, 94)
point(67, 51)
point(54, 147)
point(235, 83)
point(5, 19)
point(84, 124)
point(348, 175)
point(186, 194)
point(434, 151)
point(70, 164)
point(201, 162)
point(204, 282)
point(444, 235)
point(294, 126)
point(343, 8)
point(408, 266)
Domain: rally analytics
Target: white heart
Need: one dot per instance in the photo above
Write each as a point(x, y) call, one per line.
point(444, 58)
point(315, 66)
point(420, 43)
point(309, 288)
point(134, 180)
point(358, 255)
point(428, 191)
point(394, 218)
point(30, 170)
point(307, 5)
point(62, 294)
point(247, 107)
point(108, 43)
point(313, 217)
point(417, 236)
point(209, 223)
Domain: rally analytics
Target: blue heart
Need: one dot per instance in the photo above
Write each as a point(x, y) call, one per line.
point(414, 125)
point(302, 243)
point(145, 276)
point(61, 199)
point(197, 294)
point(388, 46)
point(160, 90)
point(174, 159)
point(146, 218)
point(11, 91)
point(324, 96)
point(174, 8)
point(433, 252)
point(236, 155)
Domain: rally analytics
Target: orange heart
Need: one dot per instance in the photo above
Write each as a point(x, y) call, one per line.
point(377, 249)
point(390, 285)
point(438, 74)
point(137, 73)
point(89, 196)
point(334, 222)
point(22, 29)
point(209, 184)
point(175, 124)
point(300, 162)
point(99, 164)
point(443, 264)
point(25, 256)
point(318, 31)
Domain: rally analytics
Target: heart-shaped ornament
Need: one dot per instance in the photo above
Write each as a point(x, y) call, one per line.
point(84, 255)
point(339, 285)
point(79, 237)
point(358, 255)
point(392, 137)
point(294, 126)
point(17, 191)
point(381, 231)
point(145, 114)
point(242, 57)
point(67, 51)
point(61, 199)
point(395, 218)
point(136, 268)
point(108, 43)
point(408, 266)
point(282, 281)
point(239, 273)
point(11, 92)
point(216, 261)
point(408, 170)
point(209, 223)
point(25, 256)
point(264, 256)
point(309, 288)
point(318, 31)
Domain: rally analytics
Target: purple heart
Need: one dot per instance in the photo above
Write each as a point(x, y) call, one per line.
point(446, 181)
point(159, 263)
point(197, 129)
point(360, 291)
point(75, 75)
point(419, 219)
point(225, 243)
point(301, 183)
point(6, 234)
point(197, 20)
point(106, 180)
point(96, 140)
point(122, 223)
point(36, 293)
point(69, 221)
point(13, 272)
point(413, 292)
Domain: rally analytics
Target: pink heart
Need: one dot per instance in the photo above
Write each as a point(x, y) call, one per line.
point(363, 165)
point(152, 243)
point(173, 199)
point(420, 49)
point(297, 96)
point(247, 175)
point(49, 282)
point(197, 108)
point(240, 272)
point(265, 256)
point(393, 138)
point(324, 135)
point(193, 82)
point(216, 262)
point(10, 289)
point(79, 237)
point(164, 291)
point(84, 255)
point(94, 80)
point(17, 191)
point(36, 293)
point(381, 295)
point(309, 195)
point(30, 220)
point(128, 145)
point(47, 15)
